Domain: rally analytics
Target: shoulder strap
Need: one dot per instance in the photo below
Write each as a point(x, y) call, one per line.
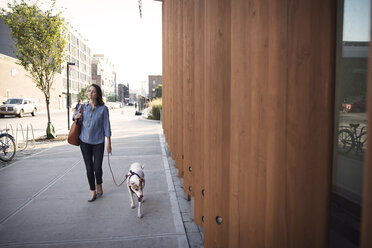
point(82, 113)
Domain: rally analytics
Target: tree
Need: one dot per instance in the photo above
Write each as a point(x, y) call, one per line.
point(40, 41)
point(158, 91)
point(112, 98)
point(83, 94)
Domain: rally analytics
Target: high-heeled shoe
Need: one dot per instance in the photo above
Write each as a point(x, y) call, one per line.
point(99, 194)
point(93, 198)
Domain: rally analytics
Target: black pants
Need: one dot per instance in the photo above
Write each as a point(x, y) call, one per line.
point(93, 157)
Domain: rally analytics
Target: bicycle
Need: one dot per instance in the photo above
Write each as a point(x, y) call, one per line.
point(349, 139)
point(7, 146)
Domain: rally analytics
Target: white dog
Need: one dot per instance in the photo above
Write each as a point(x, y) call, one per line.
point(136, 183)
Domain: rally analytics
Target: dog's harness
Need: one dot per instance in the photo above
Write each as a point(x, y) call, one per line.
point(132, 173)
point(131, 190)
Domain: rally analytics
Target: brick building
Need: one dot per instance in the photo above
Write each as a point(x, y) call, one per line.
point(123, 92)
point(154, 81)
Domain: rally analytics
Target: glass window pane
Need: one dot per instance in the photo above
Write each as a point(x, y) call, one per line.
point(353, 38)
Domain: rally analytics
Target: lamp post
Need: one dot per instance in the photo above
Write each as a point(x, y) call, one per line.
point(115, 88)
point(68, 94)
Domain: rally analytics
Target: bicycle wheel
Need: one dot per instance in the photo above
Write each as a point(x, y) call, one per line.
point(7, 147)
point(361, 144)
point(345, 141)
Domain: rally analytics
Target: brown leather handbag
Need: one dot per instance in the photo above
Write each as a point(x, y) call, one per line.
point(75, 130)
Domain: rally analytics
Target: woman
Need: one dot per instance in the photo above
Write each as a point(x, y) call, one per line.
point(96, 126)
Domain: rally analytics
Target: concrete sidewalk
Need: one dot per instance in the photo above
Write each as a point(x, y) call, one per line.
point(43, 198)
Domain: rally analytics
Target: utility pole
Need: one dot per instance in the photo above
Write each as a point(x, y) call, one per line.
point(68, 94)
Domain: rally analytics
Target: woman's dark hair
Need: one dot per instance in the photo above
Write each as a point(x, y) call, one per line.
point(99, 94)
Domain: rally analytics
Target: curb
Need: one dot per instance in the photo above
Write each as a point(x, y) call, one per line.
point(149, 120)
point(177, 218)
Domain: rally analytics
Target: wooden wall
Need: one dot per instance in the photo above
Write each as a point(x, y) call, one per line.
point(248, 116)
point(282, 65)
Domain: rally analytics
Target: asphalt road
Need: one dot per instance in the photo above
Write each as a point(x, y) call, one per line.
point(346, 118)
point(39, 123)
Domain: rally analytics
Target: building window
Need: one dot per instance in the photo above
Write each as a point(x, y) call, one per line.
point(353, 39)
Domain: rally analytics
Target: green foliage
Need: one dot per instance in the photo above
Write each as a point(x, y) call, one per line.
point(156, 106)
point(83, 94)
point(112, 98)
point(158, 91)
point(40, 41)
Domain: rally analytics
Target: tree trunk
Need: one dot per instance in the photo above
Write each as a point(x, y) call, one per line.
point(47, 106)
point(50, 132)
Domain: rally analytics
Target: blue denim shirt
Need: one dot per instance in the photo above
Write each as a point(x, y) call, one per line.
point(96, 124)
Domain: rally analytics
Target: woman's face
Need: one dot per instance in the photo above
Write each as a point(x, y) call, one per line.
point(92, 93)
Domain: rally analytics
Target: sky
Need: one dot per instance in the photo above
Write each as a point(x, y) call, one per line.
point(114, 28)
point(357, 16)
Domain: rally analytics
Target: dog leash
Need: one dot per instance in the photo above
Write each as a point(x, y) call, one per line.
point(112, 174)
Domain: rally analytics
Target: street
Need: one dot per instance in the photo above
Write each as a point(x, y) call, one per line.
point(40, 121)
point(346, 118)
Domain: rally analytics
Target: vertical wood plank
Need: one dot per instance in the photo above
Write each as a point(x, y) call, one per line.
point(258, 124)
point(200, 108)
point(188, 94)
point(170, 46)
point(217, 121)
point(165, 68)
point(173, 65)
point(179, 156)
point(311, 63)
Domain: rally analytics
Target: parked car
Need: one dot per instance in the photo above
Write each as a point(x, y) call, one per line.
point(18, 107)
point(114, 105)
